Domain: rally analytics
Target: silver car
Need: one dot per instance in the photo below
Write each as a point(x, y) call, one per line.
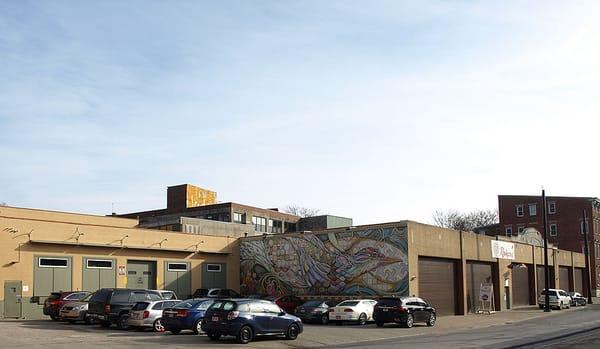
point(148, 314)
point(76, 310)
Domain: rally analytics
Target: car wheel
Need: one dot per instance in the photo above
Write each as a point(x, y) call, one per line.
point(174, 330)
point(324, 319)
point(105, 324)
point(379, 324)
point(560, 306)
point(409, 321)
point(362, 319)
point(54, 317)
point(122, 322)
point(214, 335)
point(245, 335)
point(197, 327)
point(157, 326)
point(432, 319)
point(87, 319)
point(292, 332)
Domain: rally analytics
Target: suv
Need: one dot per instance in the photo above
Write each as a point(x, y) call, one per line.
point(403, 310)
point(246, 318)
point(215, 293)
point(56, 300)
point(111, 305)
point(557, 298)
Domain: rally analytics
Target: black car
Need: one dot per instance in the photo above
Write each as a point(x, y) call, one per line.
point(247, 318)
point(215, 293)
point(403, 310)
point(577, 299)
point(111, 305)
point(315, 311)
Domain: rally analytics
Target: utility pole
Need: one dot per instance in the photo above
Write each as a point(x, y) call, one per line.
point(587, 258)
point(546, 274)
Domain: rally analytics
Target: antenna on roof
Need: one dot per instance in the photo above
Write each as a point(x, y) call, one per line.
point(113, 209)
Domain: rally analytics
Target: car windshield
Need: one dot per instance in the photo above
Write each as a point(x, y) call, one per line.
point(168, 295)
point(313, 304)
point(223, 305)
point(551, 293)
point(140, 306)
point(88, 297)
point(348, 304)
point(204, 305)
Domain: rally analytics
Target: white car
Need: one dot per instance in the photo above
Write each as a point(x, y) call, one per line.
point(557, 298)
point(359, 310)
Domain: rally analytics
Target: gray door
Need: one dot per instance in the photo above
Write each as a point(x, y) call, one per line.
point(141, 274)
point(98, 273)
point(437, 284)
point(214, 275)
point(178, 278)
point(12, 299)
point(563, 281)
point(520, 285)
point(51, 274)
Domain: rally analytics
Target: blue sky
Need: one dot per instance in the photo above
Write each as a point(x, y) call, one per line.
point(380, 110)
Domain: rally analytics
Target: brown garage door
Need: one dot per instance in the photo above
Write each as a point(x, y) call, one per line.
point(578, 278)
point(437, 284)
point(563, 280)
point(520, 284)
point(477, 273)
point(540, 278)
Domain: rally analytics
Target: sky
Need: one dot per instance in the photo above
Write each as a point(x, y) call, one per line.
point(378, 110)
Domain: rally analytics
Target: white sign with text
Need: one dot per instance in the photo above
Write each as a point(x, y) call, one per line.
point(503, 249)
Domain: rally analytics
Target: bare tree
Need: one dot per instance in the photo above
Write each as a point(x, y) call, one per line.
point(301, 211)
point(454, 219)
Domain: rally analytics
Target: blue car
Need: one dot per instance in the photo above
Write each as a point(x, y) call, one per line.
point(186, 315)
point(247, 318)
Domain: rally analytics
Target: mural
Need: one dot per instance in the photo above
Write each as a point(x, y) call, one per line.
point(366, 262)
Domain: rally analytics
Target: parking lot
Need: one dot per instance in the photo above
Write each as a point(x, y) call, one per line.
point(51, 334)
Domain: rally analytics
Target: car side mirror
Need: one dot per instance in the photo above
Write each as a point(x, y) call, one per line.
point(281, 313)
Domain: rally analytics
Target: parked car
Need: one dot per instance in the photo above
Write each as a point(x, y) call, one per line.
point(167, 294)
point(186, 315)
point(315, 311)
point(56, 300)
point(577, 299)
point(247, 318)
point(558, 299)
point(215, 293)
point(403, 310)
point(73, 311)
point(358, 310)
point(288, 303)
point(148, 314)
point(112, 305)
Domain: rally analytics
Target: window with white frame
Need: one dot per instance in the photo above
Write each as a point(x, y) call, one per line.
point(177, 266)
point(99, 264)
point(520, 228)
point(508, 230)
point(551, 207)
point(49, 262)
point(532, 209)
point(238, 217)
point(553, 229)
point(520, 211)
point(260, 223)
point(213, 268)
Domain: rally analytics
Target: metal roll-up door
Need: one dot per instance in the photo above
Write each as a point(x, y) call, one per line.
point(178, 278)
point(520, 284)
point(540, 278)
point(477, 274)
point(437, 284)
point(563, 281)
point(578, 278)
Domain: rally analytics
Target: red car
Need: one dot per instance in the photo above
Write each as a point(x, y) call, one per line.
point(56, 300)
point(287, 303)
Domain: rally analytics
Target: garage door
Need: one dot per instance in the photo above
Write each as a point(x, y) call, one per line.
point(520, 284)
point(578, 278)
point(51, 274)
point(214, 275)
point(563, 280)
point(540, 278)
point(477, 274)
point(178, 278)
point(437, 284)
point(141, 274)
point(98, 273)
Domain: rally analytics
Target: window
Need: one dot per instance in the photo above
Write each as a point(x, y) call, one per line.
point(551, 207)
point(520, 228)
point(508, 230)
point(275, 226)
point(532, 209)
point(176, 266)
point(53, 263)
point(520, 211)
point(99, 264)
point(553, 230)
point(260, 223)
point(214, 268)
point(238, 217)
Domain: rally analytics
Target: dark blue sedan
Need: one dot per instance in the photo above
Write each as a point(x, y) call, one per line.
point(247, 318)
point(186, 315)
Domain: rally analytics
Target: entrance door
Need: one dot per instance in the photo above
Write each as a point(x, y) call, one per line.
point(520, 283)
point(141, 274)
point(12, 299)
point(214, 275)
point(477, 273)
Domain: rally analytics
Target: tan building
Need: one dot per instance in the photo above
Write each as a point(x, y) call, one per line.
point(44, 251)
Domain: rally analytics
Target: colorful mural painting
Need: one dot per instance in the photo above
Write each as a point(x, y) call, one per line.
point(355, 262)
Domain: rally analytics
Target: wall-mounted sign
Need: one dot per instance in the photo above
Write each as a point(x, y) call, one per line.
point(503, 249)
point(121, 269)
point(25, 288)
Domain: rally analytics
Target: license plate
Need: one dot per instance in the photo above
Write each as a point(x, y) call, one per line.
point(337, 317)
point(215, 318)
